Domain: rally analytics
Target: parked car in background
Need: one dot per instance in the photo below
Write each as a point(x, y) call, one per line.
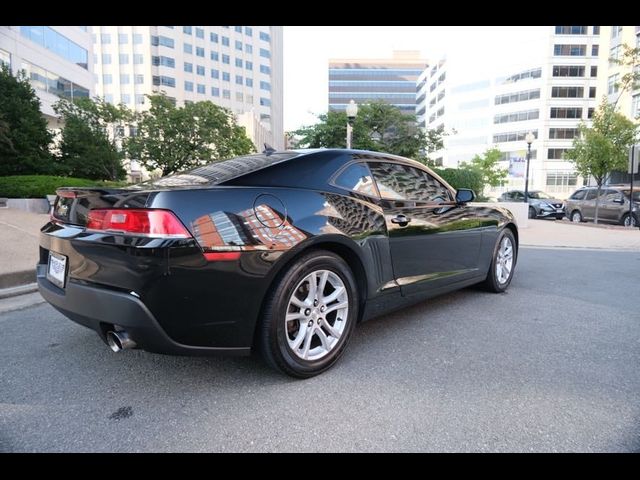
point(540, 203)
point(280, 252)
point(614, 205)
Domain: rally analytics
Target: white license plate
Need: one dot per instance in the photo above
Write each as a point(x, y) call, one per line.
point(559, 210)
point(57, 269)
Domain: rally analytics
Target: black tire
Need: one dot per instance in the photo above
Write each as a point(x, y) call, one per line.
point(576, 217)
point(532, 212)
point(273, 333)
point(632, 218)
point(491, 283)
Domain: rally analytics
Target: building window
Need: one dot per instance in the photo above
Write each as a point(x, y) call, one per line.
point(265, 86)
point(139, 79)
point(596, 30)
point(635, 106)
point(594, 71)
point(162, 80)
point(215, 73)
point(566, 112)
point(199, 52)
point(125, 79)
point(226, 77)
point(105, 38)
point(200, 33)
point(562, 133)
point(239, 79)
point(138, 59)
point(107, 79)
point(199, 69)
point(164, 61)
point(139, 99)
point(556, 153)
point(614, 54)
point(592, 92)
point(248, 82)
point(239, 97)
point(215, 92)
point(265, 53)
point(213, 37)
point(163, 41)
point(106, 59)
point(188, 86)
point(248, 65)
point(612, 84)
point(571, 30)
point(510, 117)
point(123, 38)
point(248, 48)
point(568, 71)
point(265, 36)
point(108, 97)
point(561, 181)
point(187, 29)
point(570, 50)
point(124, 58)
point(188, 67)
point(590, 112)
point(214, 56)
point(201, 88)
point(188, 48)
point(238, 44)
point(137, 38)
point(225, 58)
point(226, 94)
point(567, 92)
point(265, 69)
point(248, 31)
point(239, 62)
point(513, 136)
point(225, 41)
point(594, 50)
point(125, 98)
point(615, 31)
point(265, 102)
point(515, 97)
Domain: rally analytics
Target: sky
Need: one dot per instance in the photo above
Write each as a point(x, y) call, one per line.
point(481, 51)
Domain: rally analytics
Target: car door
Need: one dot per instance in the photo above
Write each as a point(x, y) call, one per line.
point(609, 208)
point(589, 204)
point(433, 241)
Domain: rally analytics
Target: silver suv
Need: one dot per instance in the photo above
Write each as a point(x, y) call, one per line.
point(614, 205)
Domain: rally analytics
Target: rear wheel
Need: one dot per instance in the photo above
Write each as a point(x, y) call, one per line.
point(576, 216)
point(309, 315)
point(629, 220)
point(503, 262)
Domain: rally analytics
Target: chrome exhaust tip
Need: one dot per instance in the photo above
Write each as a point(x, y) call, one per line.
point(119, 341)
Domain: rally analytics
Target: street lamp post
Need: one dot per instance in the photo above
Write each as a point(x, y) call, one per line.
point(529, 138)
point(352, 111)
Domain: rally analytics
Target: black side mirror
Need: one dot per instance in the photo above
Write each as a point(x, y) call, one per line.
point(464, 195)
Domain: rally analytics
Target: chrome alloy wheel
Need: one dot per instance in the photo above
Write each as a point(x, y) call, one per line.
point(504, 260)
point(317, 315)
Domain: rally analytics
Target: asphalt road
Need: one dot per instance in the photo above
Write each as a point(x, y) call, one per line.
point(552, 365)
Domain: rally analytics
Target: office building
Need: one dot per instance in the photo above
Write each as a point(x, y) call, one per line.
point(56, 59)
point(236, 67)
point(392, 80)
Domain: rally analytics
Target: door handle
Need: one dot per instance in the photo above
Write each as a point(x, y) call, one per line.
point(401, 220)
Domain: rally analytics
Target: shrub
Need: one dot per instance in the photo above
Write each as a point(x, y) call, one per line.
point(38, 186)
point(462, 178)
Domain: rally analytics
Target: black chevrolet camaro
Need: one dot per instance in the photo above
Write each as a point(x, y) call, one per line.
point(280, 252)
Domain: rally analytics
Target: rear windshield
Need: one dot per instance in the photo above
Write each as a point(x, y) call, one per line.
point(219, 172)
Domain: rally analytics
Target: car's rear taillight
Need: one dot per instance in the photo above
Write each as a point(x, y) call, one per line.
point(144, 222)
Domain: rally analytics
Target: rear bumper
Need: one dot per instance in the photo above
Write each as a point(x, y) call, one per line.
point(97, 307)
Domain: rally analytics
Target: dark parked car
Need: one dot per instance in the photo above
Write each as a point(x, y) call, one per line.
point(614, 205)
point(540, 203)
point(282, 252)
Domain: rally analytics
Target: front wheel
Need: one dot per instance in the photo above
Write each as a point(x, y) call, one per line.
point(309, 315)
point(576, 216)
point(532, 212)
point(503, 262)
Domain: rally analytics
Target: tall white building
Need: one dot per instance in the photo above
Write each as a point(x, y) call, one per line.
point(548, 99)
point(237, 67)
point(55, 58)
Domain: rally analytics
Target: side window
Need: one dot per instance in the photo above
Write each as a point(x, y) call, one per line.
point(401, 182)
point(357, 178)
point(610, 195)
point(579, 195)
point(591, 194)
point(517, 196)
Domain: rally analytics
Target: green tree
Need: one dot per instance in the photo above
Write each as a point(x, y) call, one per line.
point(172, 139)
point(603, 147)
point(24, 137)
point(487, 165)
point(463, 178)
point(89, 144)
point(630, 62)
point(378, 126)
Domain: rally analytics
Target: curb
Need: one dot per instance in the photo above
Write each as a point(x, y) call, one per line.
point(17, 279)
point(19, 290)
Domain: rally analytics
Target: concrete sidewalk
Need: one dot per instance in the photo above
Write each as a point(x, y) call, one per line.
point(19, 231)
